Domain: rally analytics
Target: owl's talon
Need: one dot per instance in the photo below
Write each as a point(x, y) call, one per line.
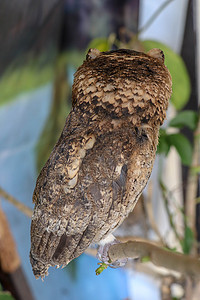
point(103, 256)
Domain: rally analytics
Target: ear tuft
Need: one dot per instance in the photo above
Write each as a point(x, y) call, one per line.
point(156, 53)
point(92, 53)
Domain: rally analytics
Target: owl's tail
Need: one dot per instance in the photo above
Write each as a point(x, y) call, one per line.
point(39, 268)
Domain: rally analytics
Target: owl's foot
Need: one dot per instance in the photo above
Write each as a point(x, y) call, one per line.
point(103, 256)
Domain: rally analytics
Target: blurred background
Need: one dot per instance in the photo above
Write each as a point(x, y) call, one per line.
point(42, 44)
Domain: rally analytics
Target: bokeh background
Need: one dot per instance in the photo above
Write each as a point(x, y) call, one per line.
point(42, 44)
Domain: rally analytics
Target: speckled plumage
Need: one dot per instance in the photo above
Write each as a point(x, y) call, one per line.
point(104, 157)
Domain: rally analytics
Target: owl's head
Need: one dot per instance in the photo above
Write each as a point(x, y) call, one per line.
point(124, 83)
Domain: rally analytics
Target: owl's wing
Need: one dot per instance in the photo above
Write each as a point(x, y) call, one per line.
point(107, 203)
point(80, 187)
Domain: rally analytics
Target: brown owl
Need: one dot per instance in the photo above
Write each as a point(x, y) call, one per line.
point(104, 156)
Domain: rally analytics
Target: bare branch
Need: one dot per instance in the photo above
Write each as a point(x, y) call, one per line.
point(23, 208)
point(157, 255)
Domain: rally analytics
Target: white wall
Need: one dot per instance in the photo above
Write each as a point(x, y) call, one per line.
point(168, 27)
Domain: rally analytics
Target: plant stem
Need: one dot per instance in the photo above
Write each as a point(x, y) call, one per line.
point(23, 208)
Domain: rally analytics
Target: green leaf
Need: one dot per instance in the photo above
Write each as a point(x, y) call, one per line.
point(187, 118)
point(183, 147)
point(188, 240)
point(102, 44)
point(17, 79)
point(101, 268)
point(180, 142)
point(180, 78)
point(57, 115)
point(163, 145)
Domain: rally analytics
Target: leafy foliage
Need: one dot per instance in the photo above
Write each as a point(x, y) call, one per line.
point(186, 118)
point(188, 240)
point(102, 44)
point(18, 79)
point(180, 142)
point(163, 145)
point(183, 147)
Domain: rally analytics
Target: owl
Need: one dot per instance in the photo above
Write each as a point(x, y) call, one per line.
point(103, 158)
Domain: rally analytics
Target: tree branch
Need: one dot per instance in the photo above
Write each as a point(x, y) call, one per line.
point(157, 255)
point(23, 208)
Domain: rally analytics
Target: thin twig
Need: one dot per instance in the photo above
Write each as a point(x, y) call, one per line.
point(123, 239)
point(23, 208)
point(154, 16)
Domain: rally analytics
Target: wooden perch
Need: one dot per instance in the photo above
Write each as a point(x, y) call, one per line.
point(12, 276)
point(157, 255)
point(9, 258)
point(136, 248)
